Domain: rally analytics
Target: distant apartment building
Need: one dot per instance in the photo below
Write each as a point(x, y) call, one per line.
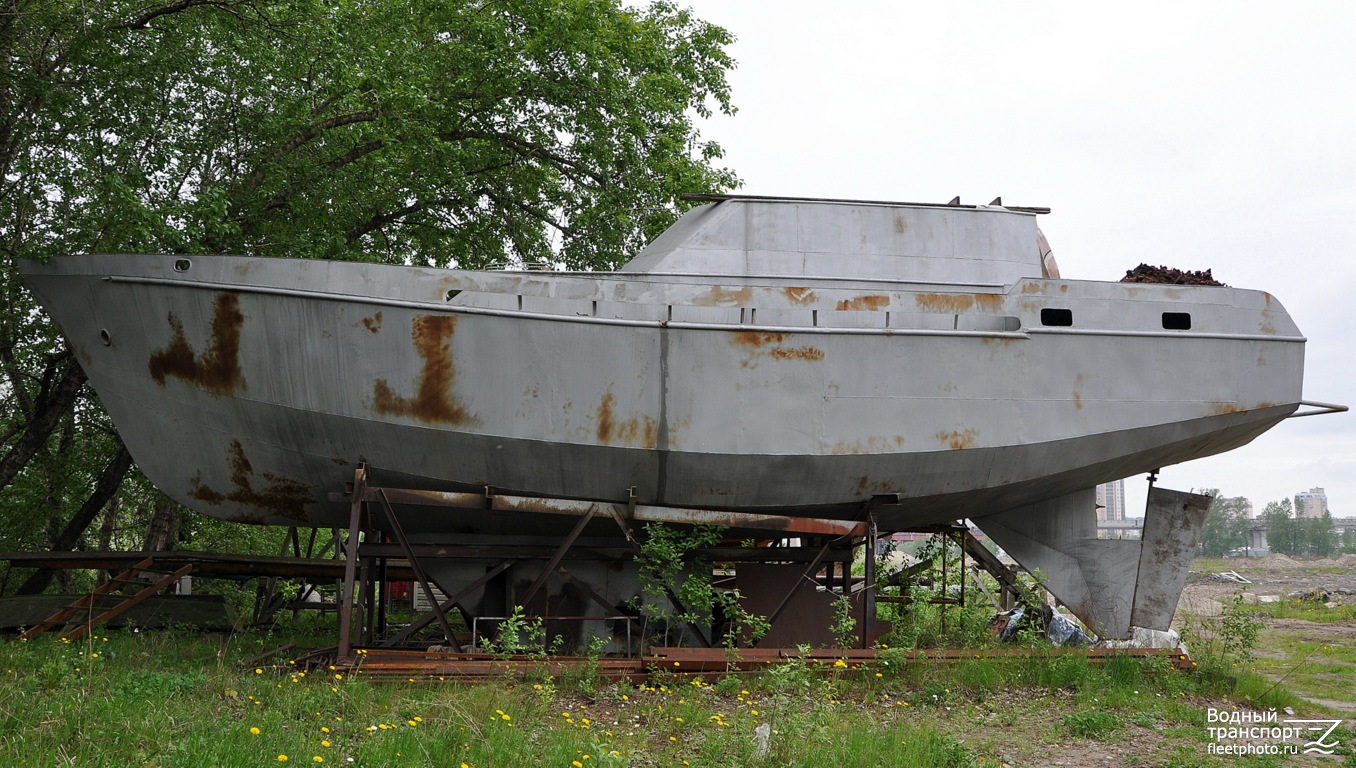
point(1111, 501)
point(1313, 503)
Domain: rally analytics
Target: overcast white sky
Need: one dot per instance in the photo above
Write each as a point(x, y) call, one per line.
point(1189, 134)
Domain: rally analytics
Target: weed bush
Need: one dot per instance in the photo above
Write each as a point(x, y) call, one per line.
point(1096, 725)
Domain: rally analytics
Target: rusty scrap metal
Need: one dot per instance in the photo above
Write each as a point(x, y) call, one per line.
point(809, 526)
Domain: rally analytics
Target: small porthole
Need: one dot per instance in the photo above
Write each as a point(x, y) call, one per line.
point(1057, 317)
point(105, 338)
point(450, 295)
point(1177, 321)
point(182, 265)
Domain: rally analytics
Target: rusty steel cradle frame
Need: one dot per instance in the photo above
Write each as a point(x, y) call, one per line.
point(825, 548)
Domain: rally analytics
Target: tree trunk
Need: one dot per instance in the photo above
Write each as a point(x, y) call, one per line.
point(107, 485)
point(106, 528)
point(164, 521)
point(52, 403)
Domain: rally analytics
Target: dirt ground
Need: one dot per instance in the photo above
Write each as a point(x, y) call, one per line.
point(1272, 578)
point(1275, 578)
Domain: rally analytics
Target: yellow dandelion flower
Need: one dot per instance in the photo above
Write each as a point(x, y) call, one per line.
point(325, 744)
point(318, 759)
point(324, 729)
point(418, 719)
point(255, 730)
point(412, 723)
point(673, 738)
point(576, 764)
point(282, 758)
point(258, 671)
point(338, 677)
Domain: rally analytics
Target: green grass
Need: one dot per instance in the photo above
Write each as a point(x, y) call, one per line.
point(1305, 610)
point(175, 699)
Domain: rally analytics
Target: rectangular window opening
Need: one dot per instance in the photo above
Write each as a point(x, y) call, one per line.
point(1177, 321)
point(1057, 317)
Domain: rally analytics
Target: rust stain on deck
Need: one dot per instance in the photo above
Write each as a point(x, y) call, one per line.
point(958, 440)
point(769, 344)
point(282, 497)
point(800, 296)
point(218, 370)
point(796, 353)
point(373, 323)
point(869, 303)
point(721, 297)
point(956, 303)
point(989, 302)
point(756, 339)
point(434, 400)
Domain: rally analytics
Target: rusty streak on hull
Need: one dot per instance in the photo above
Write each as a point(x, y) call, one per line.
point(217, 370)
point(435, 401)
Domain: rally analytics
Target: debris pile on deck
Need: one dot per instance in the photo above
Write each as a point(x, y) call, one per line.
point(1145, 273)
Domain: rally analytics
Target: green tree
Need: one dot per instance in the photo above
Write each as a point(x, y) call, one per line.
point(1320, 536)
point(1284, 531)
point(404, 131)
point(1227, 526)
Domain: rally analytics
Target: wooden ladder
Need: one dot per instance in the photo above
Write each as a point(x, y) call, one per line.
point(126, 578)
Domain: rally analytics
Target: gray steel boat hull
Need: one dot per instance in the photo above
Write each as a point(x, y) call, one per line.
point(249, 389)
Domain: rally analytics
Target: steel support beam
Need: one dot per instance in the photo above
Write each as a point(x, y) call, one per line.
point(448, 604)
point(346, 594)
point(554, 562)
point(869, 580)
point(807, 575)
point(404, 543)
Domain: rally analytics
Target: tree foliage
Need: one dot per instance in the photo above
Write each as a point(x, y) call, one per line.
point(403, 131)
point(1299, 536)
point(1227, 525)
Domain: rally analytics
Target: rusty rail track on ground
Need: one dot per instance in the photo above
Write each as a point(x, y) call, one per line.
point(688, 663)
